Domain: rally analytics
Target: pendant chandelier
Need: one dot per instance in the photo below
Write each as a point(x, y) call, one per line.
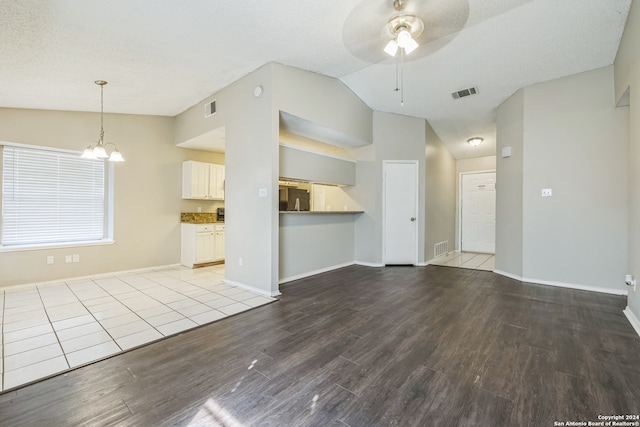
point(97, 150)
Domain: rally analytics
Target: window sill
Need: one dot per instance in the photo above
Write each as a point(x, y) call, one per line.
point(39, 247)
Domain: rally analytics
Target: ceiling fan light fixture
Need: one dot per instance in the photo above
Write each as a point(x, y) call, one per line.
point(475, 141)
point(404, 37)
point(410, 45)
point(391, 48)
point(403, 29)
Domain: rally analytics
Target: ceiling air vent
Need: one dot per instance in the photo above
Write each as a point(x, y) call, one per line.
point(464, 92)
point(209, 109)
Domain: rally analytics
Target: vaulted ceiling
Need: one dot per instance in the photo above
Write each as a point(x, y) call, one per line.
point(163, 56)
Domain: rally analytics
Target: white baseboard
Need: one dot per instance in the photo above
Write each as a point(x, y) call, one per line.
point(563, 284)
point(314, 272)
point(635, 322)
point(509, 275)
point(369, 264)
point(422, 264)
point(252, 288)
point(88, 277)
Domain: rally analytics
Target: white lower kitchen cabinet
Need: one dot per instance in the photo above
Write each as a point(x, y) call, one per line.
point(218, 251)
point(201, 244)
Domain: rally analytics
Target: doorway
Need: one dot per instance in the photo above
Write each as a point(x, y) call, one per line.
point(478, 212)
point(400, 212)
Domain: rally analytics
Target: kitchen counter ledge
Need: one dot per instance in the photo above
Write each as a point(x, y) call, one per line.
point(320, 212)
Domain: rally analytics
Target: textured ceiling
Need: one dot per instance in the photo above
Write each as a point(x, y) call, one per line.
point(163, 56)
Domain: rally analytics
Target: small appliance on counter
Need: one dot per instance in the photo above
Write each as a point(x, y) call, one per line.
point(220, 214)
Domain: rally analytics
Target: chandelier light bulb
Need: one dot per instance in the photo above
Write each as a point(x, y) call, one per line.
point(88, 153)
point(100, 153)
point(116, 156)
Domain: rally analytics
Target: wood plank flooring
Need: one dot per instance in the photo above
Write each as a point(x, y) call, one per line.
point(360, 346)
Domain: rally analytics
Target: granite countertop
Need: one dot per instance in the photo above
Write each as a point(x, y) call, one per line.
point(320, 212)
point(199, 217)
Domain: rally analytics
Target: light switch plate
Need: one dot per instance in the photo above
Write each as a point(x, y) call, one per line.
point(262, 192)
point(506, 152)
point(547, 192)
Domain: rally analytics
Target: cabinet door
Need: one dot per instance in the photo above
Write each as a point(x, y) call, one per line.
point(200, 180)
point(219, 246)
point(195, 176)
point(205, 247)
point(216, 182)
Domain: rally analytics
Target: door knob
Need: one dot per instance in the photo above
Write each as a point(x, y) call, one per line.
point(413, 219)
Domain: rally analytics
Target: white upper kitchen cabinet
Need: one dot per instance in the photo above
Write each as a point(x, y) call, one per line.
point(202, 181)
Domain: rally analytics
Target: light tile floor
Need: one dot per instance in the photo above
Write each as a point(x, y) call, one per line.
point(52, 327)
point(467, 260)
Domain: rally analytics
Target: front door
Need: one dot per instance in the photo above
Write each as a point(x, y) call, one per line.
point(400, 181)
point(479, 212)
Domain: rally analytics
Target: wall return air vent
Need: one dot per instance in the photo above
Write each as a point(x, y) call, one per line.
point(465, 92)
point(209, 109)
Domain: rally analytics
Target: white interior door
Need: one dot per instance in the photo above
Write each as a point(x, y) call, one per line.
point(400, 212)
point(478, 220)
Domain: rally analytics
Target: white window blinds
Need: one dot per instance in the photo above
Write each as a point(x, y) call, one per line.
point(51, 197)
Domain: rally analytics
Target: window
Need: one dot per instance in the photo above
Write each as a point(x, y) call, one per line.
point(51, 197)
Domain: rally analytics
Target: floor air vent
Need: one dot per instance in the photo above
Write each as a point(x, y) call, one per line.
point(441, 249)
point(464, 92)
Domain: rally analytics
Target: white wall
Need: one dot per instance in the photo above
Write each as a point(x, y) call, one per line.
point(478, 164)
point(576, 144)
point(574, 141)
point(440, 193)
point(148, 191)
point(627, 77)
point(509, 173)
point(312, 243)
point(315, 167)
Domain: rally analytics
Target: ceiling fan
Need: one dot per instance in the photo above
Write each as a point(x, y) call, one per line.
point(404, 28)
point(376, 29)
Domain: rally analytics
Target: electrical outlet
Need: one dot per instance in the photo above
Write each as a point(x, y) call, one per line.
point(240, 262)
point(76, 257)
point(50, 259)
point(68, 258)
point(547, 192)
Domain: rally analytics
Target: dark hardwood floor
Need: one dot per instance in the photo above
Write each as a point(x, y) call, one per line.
point(395, 346)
